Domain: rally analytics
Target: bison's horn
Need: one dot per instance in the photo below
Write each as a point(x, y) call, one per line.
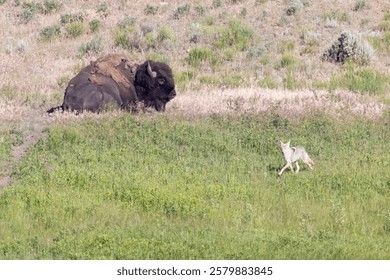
point(150, 72)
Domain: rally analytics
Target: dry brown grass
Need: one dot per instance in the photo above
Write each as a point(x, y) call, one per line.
point(290, 104)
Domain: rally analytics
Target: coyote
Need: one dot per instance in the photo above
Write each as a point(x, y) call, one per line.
point(293, 154)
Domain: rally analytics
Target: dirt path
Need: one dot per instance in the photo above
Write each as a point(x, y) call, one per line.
point(38, 124)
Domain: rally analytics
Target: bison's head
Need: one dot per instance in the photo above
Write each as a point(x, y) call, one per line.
point(154, 84)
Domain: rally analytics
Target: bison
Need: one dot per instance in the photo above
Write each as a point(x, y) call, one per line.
point(114, 80)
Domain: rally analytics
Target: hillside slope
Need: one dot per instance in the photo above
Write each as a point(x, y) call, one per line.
point(213, 43)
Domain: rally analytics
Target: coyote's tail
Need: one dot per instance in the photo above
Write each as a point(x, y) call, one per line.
point(310, 160)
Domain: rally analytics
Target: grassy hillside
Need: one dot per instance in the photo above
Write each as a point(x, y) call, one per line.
point(223, 43)
point(199, 181)
point(169, 188)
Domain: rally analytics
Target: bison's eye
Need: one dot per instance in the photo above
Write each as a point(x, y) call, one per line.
point(161, 81)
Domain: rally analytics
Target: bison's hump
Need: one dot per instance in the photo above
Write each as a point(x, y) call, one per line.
point(116, 67)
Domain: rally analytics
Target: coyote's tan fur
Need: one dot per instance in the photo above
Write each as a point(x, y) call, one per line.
point(293, 154)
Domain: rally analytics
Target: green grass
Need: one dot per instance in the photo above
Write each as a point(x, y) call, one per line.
point(361, 80)
point(165, 188)
point(235, 35)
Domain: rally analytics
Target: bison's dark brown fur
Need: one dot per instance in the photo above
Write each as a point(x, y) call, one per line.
point(112, 79)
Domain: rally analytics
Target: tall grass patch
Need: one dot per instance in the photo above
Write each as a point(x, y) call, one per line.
point(170, 188)
point(235, 35)
point(361, 80)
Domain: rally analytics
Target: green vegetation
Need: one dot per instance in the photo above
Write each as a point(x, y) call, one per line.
point(235, 35)
point(102, 9)
point(74, 29)
point(176, 186)
point(166, 188)
point(216, 4)
point(359, 5)
point(69, 18)
point(50, 32)
point(384, 25)
point(163, 34)
point(93, 46)
point(31, 9)
point(286, 61)
point(199, 55)
point(181, 11)
point(122, 33)
point(381, 45)
point(294, 6)
point(360, 80)
point(150, 10)
point(121, 38)
point(94, 25)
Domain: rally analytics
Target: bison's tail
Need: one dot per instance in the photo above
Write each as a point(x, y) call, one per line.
point(54, 109)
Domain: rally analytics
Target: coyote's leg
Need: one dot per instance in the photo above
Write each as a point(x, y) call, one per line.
point(288, 164)
point(309, 164)
point(296, 163)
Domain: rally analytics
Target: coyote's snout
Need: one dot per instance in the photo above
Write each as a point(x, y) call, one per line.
point(293, 154)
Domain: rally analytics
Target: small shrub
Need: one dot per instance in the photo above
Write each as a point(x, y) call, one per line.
point(200, 10)
point(286, 60)
point(75, 29)
point(69, 18)
point(349, 46)
point(181, 10)
point(121, 38)
point(93, 46)
point(151, 41)
point(127, 23)
point(294, 6)
point(94, 25)
point(51, 6)
point(150, 10)
point(26, 16)
point(244, 12)
point(359, 5)
point(198, 55)
point(208, 20)
point(164, 34)
point(50, 32)
point(236, 35)
point(384, 25)
point(103, 9)
point(21, 46)
point(287, 46)
point(255, 52)
point(183, 77)
point(216, 4)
